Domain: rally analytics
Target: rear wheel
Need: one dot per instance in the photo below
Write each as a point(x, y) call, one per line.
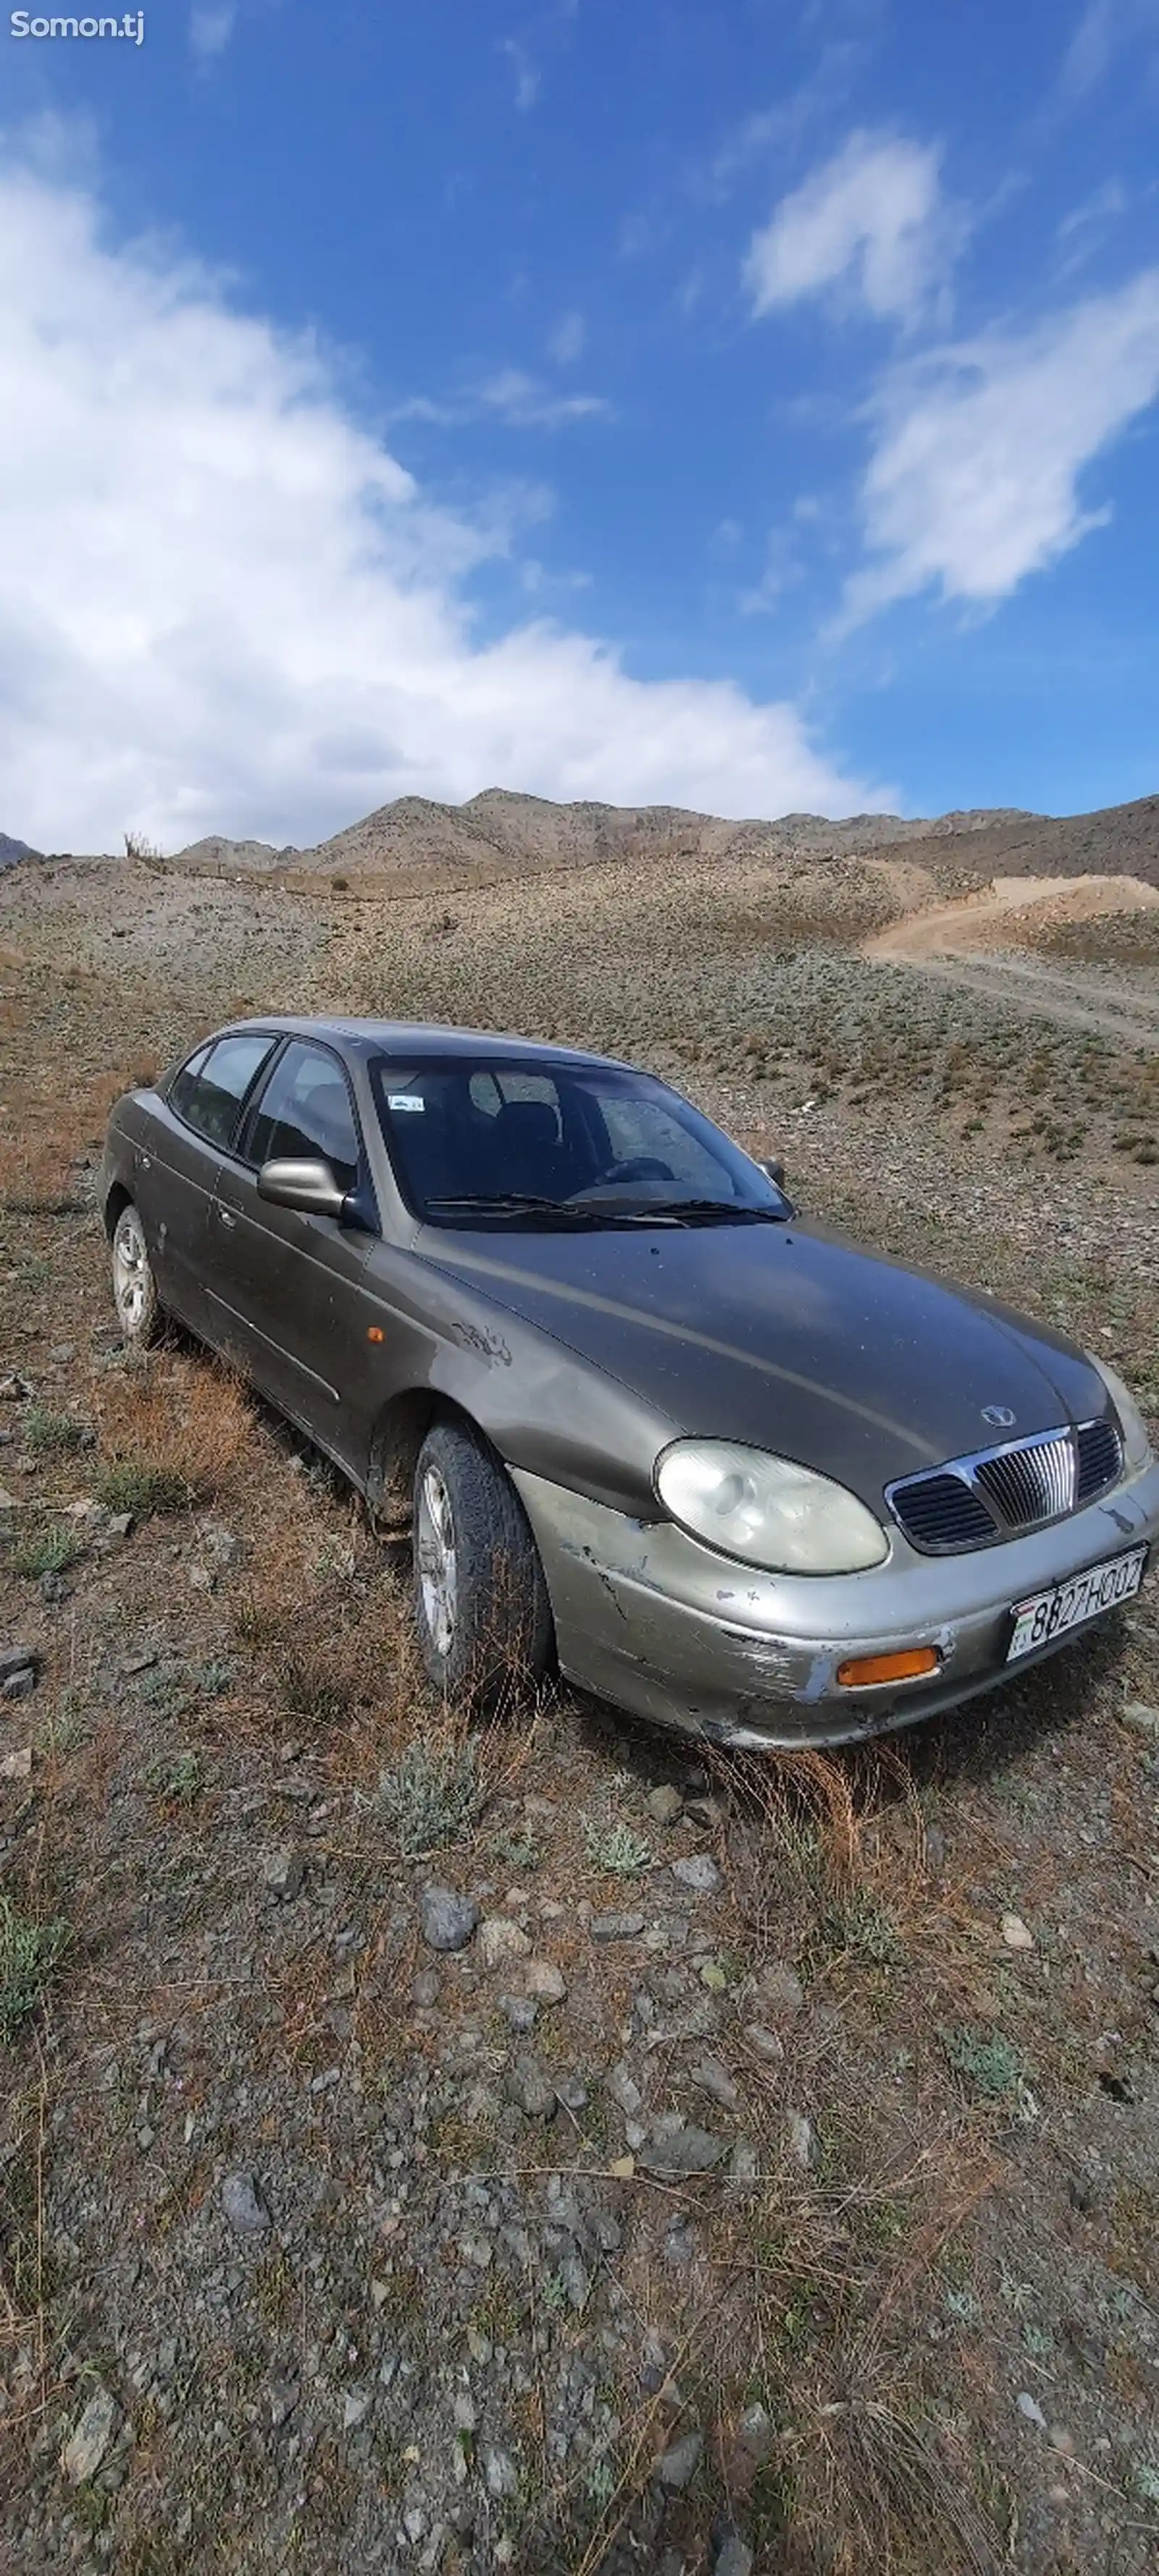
point(134, 1287)
point(480, 1601)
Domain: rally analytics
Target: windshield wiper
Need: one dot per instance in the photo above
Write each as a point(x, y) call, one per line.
point(511, 1203)
point(702, 1211)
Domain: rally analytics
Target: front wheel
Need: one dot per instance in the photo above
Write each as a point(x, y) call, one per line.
point(480, 1601)
point(134, 1287)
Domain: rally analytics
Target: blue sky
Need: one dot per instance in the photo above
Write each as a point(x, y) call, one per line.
point(750, 407)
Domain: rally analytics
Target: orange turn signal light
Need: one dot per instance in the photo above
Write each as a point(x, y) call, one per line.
point(888, 1668)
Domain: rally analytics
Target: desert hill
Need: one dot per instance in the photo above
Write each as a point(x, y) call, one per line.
point(1117, 840)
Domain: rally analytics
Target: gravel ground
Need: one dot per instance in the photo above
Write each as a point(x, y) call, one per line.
point(536, 2149)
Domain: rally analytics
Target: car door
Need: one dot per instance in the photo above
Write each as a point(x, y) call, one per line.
point(285, 1289)
point(177, 1158)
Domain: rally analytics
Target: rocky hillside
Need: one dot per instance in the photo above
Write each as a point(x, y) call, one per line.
point(1117, 840)
point(11, 850)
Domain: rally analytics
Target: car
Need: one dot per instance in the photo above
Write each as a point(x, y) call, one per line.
point(645, 1424)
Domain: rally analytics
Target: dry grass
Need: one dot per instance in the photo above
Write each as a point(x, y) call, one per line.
point(173, 1419)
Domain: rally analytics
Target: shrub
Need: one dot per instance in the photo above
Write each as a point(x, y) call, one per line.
point(45, 1431)
point(432, 1795)
point(47, 1551)
point(143, 1490)
point(616, 1848)
point(30, 1953)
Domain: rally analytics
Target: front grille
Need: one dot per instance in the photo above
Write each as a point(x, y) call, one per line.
point(942, 1514)
point(999, 1493)
point(1032, 1484)
point(1100, 1459)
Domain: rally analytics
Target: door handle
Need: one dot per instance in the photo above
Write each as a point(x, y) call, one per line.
point(226, 1217)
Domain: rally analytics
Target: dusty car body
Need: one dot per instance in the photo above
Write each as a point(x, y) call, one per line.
point(616, 1375)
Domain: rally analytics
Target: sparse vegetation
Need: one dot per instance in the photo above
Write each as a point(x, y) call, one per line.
point(50, 1549)
point(616, 1849)
point(432, 1796)
point(30, 1954)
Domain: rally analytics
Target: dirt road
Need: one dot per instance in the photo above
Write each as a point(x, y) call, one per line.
point(968, 943)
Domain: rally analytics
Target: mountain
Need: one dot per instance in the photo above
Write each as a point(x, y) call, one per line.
point(1116, 840)
point(502, 833)
point(11, 850)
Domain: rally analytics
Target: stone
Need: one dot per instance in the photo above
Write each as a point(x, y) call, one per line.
point(679, 2465)
point(531, 2087)
point(624, 2089)
point(18, 1765)
point(16, 1659)
point(707, 1811)
point(1015, 1933)
point(501, 1940)
point(424, 1989)
point(356, 2407)
point(755, 2432)
point(572, 2094)
point(686, 2151)
point(7, 1500)
point(744, 2164)
point(665, 1805)
point(802, 2145)
point(283, 1872)
point(1140, 1717)
point(18, 1685)
point(90, 2438)
point(734, 2557)
point(698, 1872)
point(782, 1992)
point(710, 2077)
point(500, 2474)
point(521, 2011)
point(446, 1918)
point(623, 2167)
point(1029, 2406)
point(244, 2207)
point(545, 1981)
point(764, 2043)
point(616, 1927)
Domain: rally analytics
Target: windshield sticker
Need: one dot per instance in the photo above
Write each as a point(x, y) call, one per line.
point(404, 1100)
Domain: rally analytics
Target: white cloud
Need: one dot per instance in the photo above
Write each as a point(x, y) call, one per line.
point(225, 607)
point(529, 405)
point(1105, 29)
point(210, 30)
point(870, 227)
point(975, 481)
point(527, 78)
point(566, 343)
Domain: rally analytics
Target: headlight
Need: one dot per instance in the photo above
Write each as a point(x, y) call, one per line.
point(1136, 1444)
point(767, 1510)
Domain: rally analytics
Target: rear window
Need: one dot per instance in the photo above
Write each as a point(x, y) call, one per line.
point(210, 1088)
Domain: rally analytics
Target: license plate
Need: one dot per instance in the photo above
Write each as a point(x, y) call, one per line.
point(1067, 1605)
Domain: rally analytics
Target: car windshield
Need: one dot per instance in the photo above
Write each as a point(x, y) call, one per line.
point(490, 1140)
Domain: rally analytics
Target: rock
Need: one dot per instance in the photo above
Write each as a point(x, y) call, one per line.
point(118, 1524)
point(356, 2407)
point(446, 1918)
point(935, 1850)
point(623, 2167)
point(707, 1811)
point(14, 1660)
point(698, 1872)
point(19, 1685)
point(681, 2463)
point(242, 2202)
point(764, 2043)
point(734, 2557)
point(501, 1940)
point(500, 2474)
point(7, 1500)
point(545, 1981)
point(18, 1765)
point(616, 1927)
point(1140, 1717)
point(744, 2164)
point(686, 2151)
point(624, 2089)
point(521, 2011)
point(284, 1871)
point(1029, 2406)
point(282, 2394)
point(710, 2077)
point(782, 1992)
point(755, 2432)
point(1015, 1934)
point(802, 2144)
point(89, 2441)
point(665, 1805)
point(531, 2087)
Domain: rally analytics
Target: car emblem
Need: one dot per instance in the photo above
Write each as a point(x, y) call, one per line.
point(1000, 1415)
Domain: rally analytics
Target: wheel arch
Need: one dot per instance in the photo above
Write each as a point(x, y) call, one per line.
point(399, 1433)
point(116, 1201)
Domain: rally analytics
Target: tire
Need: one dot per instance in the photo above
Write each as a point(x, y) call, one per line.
point(481, 1610)
point(134, 1287)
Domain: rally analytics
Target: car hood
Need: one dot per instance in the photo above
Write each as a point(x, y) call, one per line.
point(788, 1337)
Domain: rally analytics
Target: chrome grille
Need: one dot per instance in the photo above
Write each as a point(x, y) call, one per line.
point(998, 1493)
point(1036, 1483)
point(1100, 1458)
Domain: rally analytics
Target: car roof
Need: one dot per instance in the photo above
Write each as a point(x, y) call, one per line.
point(416, 1038)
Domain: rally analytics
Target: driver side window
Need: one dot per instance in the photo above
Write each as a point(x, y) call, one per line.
point(305, 1111)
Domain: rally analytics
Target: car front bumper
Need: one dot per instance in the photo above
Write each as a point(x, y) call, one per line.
point(650, 1619)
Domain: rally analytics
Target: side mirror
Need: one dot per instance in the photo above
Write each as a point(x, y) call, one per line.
point(308, 1186)
point(775, 1172)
